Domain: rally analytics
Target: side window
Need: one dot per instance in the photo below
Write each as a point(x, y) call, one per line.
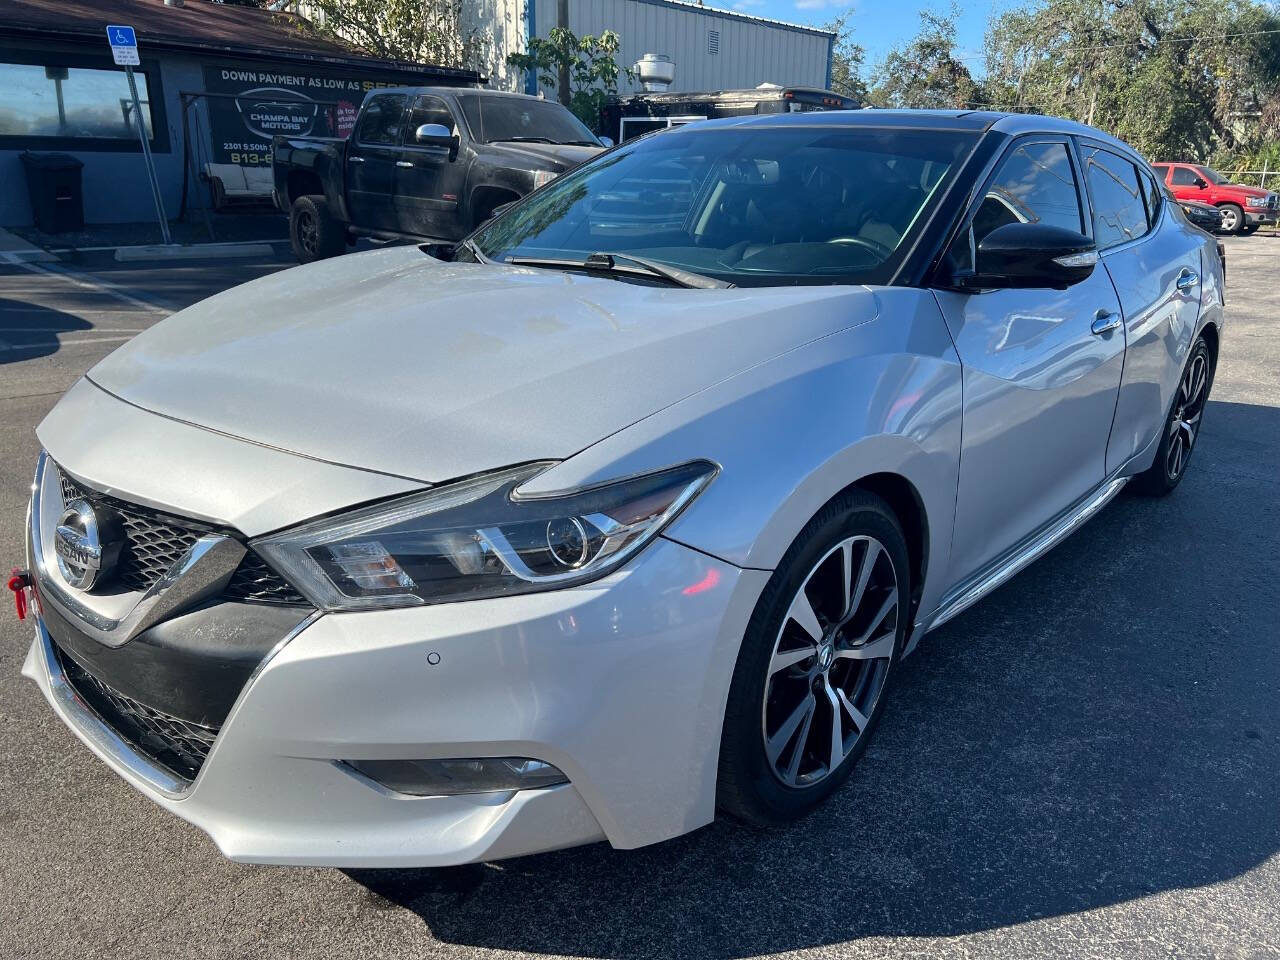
point(1155, 198)
point(1184, 177)
point(380, 121)
point(428, 110)
point(1035, 183)
point(1162, 171)
point(1119, 213)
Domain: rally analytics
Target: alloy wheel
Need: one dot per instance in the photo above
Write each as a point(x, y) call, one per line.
point(308, 232)
point(1230, 220)
point(1184, 425)
point(830, 661)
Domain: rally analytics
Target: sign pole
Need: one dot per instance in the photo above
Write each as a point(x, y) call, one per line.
point(146, 156)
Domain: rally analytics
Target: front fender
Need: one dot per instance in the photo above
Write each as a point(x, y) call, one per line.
point(881, 397)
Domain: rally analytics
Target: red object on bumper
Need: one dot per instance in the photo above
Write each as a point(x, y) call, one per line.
point(20, 583)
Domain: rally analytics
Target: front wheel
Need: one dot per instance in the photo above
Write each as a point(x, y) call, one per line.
point(810, 682)
point(1232, 218)
point(1181, 427)
point(314, 233)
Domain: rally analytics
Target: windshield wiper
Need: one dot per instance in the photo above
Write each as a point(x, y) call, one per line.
point(627, 263)
point(523, 140)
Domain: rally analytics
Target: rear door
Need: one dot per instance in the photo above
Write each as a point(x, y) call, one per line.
point(1039, 385)
point(426, 195)
point(1153, 259)
point(372, 152)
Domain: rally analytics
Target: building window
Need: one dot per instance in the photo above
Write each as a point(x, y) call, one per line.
point(56, 102)
point(713, 42)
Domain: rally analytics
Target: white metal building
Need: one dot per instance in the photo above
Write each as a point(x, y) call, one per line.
point(713, 49)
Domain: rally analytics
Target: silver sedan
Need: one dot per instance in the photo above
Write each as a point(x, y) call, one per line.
point(621, 511)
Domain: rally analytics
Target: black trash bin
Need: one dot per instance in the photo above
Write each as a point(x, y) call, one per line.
point(53, 183)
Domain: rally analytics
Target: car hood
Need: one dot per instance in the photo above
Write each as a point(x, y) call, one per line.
point(1244, 190)
point(563, 155)
point(394, 362)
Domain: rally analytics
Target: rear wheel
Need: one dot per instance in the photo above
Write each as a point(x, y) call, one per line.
point(815, 663)
point(1182, 427)
point(314, 233)
point(1232, 218)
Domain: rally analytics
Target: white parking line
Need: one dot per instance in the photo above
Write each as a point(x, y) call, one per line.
point(90, 283)
point(35, 344)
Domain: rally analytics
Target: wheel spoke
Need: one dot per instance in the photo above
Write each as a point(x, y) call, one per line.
point(800, 715)
point(890, 603)
point(1188, 432)
point(802, 613)
point(864, 576)
point(846, 578)
point(802, 739)
point(860, 720)
point(789, 658)
point(875, 650)
point(837, 731)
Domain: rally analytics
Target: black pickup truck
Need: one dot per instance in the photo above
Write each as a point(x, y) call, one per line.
point(423, 163)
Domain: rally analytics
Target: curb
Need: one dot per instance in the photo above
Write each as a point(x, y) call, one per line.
point(197, 251)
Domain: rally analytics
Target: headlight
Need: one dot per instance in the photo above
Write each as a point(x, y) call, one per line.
point(479, 538)
point(1256, 201)
point(541, 177)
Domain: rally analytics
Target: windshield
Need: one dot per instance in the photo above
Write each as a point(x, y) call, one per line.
point(1213, 176)
point(753, 206)
point(494, 119)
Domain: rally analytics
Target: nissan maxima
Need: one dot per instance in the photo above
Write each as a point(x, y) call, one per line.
point(625, 509)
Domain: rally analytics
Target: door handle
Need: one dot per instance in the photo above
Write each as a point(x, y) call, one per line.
point(1187, 279)
point(1105, 322)
point(356, 159)
point(404, 163)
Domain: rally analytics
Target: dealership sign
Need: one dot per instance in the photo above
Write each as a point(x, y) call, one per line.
point(265, 103)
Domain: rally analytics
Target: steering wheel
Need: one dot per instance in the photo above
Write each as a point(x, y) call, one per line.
point(879, 249)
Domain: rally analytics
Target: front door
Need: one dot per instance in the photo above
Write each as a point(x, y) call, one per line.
point(1039, 385)
point(1154, 261)
point(426, 195)
point(372, 153)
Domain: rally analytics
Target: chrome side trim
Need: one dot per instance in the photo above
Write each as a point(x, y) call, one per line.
point(100, 737)
point(202, 572)
point(1005, 567)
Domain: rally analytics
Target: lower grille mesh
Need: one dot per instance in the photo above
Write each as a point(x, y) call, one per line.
point(180, 745)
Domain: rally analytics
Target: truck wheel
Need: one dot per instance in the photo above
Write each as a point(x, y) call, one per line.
point(1232, 218)
point(313, 232)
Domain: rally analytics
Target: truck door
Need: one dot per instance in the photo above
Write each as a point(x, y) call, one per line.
point(426, 194)
point(371, 162)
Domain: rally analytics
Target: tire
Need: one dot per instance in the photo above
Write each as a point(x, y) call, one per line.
point(1182, 425)
point(775, 768)
point(314, 233)
point(1232, 218)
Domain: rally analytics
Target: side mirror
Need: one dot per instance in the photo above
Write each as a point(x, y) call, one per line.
point(1024, 255)
point(434, 135)
point(1201, 182)
point(605, 141)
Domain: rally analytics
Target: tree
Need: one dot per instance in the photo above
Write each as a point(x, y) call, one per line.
point(439, 32)
point(593, 71)
point(925, 73)
point(847, 59)
point(1176, 78)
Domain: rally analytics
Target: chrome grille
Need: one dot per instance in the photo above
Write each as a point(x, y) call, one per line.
point(178, 744)
point(154, 542)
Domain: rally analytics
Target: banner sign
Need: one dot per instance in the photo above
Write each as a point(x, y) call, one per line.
point(277, 101)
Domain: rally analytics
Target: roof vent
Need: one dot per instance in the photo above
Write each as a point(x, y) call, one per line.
point(656, 71)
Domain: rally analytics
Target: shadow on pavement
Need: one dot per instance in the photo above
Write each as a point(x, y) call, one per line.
point(1102, 728)
point(30, 330)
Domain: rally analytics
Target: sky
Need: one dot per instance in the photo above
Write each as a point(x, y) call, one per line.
point(879, 25)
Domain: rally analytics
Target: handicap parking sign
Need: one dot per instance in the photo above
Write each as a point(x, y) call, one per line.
point(124, 45)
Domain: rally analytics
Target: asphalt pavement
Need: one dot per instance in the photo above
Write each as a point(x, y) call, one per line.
point(1085, 764)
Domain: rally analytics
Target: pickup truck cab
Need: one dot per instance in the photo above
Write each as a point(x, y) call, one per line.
point(422, 163)
point(1243, 208)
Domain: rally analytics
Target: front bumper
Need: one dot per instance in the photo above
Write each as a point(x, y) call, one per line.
point(1259, 216)
point(621, 684)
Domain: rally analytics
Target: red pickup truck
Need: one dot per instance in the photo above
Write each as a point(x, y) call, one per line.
point(1243, 208)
